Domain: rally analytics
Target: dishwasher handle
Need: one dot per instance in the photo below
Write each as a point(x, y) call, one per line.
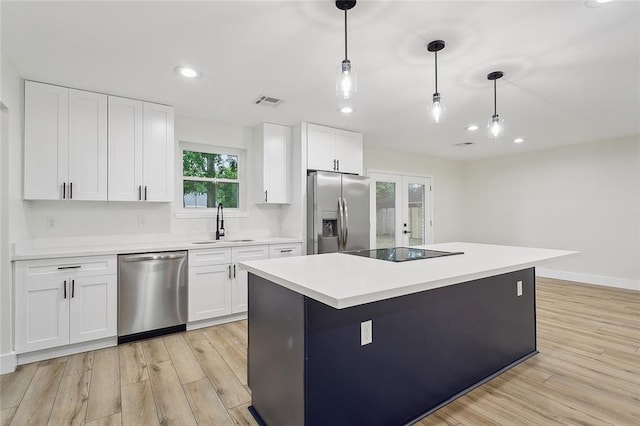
point(160, 256)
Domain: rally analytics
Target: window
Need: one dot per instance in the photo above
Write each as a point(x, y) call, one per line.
point(210, 178)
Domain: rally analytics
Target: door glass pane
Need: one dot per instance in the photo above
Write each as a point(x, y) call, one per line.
point(385, 214)
point(416, 213)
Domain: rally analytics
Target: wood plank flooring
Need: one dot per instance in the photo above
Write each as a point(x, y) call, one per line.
point(587, 372)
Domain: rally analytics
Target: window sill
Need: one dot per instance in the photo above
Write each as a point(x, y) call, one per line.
point(207, 213)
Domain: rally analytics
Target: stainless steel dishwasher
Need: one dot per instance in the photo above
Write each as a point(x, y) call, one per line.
point(152, 294)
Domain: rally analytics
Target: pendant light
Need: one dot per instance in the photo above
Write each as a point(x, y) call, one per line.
point(346, 84)
point(436, 109)
point(496, 124)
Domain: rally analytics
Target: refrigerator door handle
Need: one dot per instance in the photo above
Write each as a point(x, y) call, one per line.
point(340, 225)
point(345, 224)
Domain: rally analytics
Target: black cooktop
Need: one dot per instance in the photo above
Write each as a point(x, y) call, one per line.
point(402, 254)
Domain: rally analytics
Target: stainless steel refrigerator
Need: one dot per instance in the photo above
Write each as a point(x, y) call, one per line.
point(337, 212)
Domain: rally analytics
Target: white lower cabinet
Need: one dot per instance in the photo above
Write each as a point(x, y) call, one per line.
point(217, 286)
point(65, 301)
point(241, 278)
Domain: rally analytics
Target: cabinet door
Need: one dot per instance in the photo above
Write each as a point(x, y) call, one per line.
point(239, 286)
point(46, 134)
point(42, 314)
point(349, 151)
point(321, 148)
point(157, 153)
point(87, 146)
point(93, 308)
point(125, 149)
point(276, 160)
point(209, 292)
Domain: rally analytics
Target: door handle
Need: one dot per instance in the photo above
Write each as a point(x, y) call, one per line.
point(64, 190)
point(234, 271)
point(229, 271)
point(338, 165)
point(346, 223)
point(406, 231)
point(334, 166)
point(144, 257)
point(145, 192)
point(139, 192)
point(60, 268)
point(70, 190)
point(265, 196)
point(73, 288)
point(65, 289)
point(341, 224)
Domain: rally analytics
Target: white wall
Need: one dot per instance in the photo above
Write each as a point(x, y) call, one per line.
point(10, 153)
point(447, 182)
point(584, 197)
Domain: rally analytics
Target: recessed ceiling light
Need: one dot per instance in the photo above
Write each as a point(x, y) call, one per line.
point(346, 109)
point(472, 127)
point(596, 3)
point(188, 72)
point(518, 140)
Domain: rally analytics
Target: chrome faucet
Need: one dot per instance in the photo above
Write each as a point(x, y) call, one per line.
point(220, 222)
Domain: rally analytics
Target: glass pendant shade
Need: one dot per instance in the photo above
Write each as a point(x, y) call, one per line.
point(496, 127)
point(347, 83)
point(436, 109)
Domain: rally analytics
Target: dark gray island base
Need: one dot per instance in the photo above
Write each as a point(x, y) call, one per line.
point(306, 365)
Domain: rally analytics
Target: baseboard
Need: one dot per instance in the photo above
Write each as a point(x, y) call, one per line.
point(216, 321)
point(8, 363)
point(65, 350)
point(590, 279)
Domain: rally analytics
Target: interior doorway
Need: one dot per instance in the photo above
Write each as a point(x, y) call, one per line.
point(401, 210)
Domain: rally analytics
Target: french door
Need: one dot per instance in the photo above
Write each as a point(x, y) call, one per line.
point(400, 210)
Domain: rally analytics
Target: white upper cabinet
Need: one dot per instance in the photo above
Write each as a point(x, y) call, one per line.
point(65, 143)
point(333, 149)
point(125, 149)
point(272, 163)
point(157, 152)
point(141, 151)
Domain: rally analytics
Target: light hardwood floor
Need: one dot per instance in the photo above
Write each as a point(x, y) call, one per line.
point(587, 372)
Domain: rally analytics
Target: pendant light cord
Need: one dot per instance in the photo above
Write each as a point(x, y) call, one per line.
point(436, 53)
point(345, 35)
point(495, 99)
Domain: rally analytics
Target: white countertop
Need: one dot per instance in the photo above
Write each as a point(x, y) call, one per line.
point(342, 280)
point(98, 247)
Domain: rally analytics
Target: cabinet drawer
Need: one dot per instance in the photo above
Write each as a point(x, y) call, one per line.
point(285, 250)
point(209, 256)
point(249, 253)
point(66, 267)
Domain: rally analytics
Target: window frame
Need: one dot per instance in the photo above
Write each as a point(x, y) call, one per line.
point(182, 212)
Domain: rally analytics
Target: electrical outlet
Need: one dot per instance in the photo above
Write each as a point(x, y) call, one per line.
point(51, 222)
point(519, 288)
point(366, 333)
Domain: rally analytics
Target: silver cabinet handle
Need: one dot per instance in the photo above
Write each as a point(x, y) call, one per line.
point(140, 192)
point(265, 196)
point(337, 165)
point(73, 288)
point(65, 289)
point(286, 251)
point(144, 257)
point(64, 190)
point(234, 271)
point(70, 190)
point(334, 165)
point(229, 271)
point(145, 192)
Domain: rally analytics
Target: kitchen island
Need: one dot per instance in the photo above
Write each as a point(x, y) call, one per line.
point(438, 328)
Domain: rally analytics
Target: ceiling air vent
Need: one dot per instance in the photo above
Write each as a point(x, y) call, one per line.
point(463, 144)
point(267, 101)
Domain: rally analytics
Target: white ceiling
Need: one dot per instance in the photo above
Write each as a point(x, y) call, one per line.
point(572, 72)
